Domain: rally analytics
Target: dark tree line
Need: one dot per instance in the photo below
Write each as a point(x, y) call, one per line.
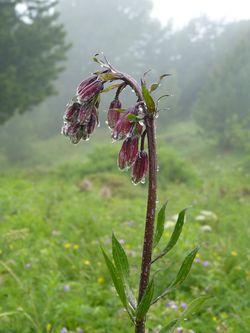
point(32, 45)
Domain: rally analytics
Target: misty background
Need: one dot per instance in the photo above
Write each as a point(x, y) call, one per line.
point(208, 60)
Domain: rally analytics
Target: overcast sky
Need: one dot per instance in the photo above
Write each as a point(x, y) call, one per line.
point(182, 11)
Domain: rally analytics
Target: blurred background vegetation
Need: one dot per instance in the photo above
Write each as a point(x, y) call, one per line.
point(58, 200)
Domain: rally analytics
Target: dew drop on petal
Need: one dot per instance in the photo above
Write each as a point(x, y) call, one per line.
point(143, 180)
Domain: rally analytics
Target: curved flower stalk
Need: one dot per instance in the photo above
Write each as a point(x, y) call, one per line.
point(131, 125)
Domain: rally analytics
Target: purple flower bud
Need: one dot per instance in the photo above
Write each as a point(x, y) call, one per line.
point(122, 127)
point(73, 131)
point(91, 124)
point(84, 114)
point(128, 152)
point(85, 83)
point(113, 115)
point(91, 91)
point(72, 112)
point(138, 129)
point(140, 167)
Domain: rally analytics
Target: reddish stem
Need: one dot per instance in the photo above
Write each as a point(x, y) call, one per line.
point(151, 203)
point(150, 216)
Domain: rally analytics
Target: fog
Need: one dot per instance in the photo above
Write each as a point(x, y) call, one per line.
point(133, 41)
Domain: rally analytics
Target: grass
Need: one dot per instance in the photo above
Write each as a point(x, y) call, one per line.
point(52, 221)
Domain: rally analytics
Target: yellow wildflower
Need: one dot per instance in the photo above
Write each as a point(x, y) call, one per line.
point(100, 280)
point(87, 262)
point(76, 247)
point(234, 253)
point(48, 327)
point(67, 245)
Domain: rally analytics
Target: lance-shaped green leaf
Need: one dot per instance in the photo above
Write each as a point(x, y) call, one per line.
point(133, 117)
point(148, 98)
point(116, 280)
point(171, 325)
point(113, 86)
point(154, 86)
point(177, 231)
point(175, 234)
point(120, 258)
point(192, 308)
point(161, 97)
point(181, 275)
point(185, 268)
point(145, 302)
point(160, 224)
point(122, 266)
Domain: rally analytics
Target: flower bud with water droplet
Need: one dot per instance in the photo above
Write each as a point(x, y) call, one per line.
point(73, 131)
point(91, 124)
point(84, 114)
point(124, 127)
point(128, 152)
point(91, 91)
point(113, 114)
point(140, 167)
point(72, 111)
point(85, 83)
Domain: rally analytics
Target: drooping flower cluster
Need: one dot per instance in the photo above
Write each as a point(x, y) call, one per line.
point(126, 126)
point(81, 118)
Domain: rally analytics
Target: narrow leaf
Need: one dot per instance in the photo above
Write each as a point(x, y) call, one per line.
point(148, 98)
point(154, 86)
point(177, 231)
point(194, 306)
point(185, 268)
point(169, 328)
point(145, 302)
point(113, 86)
point(133, 117)
point(109, 77)
point(160, 224)
point(163, 96)
point(120, 258)
point(116, 280)
point(122, 266)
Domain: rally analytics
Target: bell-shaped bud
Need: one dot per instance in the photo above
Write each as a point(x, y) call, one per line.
point(71, 112)
point(85, 83)
point(128, 152)
point(91, 90)
point(124, 126)
point(84, 114)
point(73, 131)
point(140, 168)
point(113, 114)
point(91, 124)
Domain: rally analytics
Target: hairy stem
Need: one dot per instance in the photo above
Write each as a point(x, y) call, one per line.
point(150, 216)
point(152, 191)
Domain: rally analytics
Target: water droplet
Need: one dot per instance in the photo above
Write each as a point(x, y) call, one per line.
point(143, 180)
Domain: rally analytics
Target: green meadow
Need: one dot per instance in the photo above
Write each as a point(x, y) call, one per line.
point(54, 218)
